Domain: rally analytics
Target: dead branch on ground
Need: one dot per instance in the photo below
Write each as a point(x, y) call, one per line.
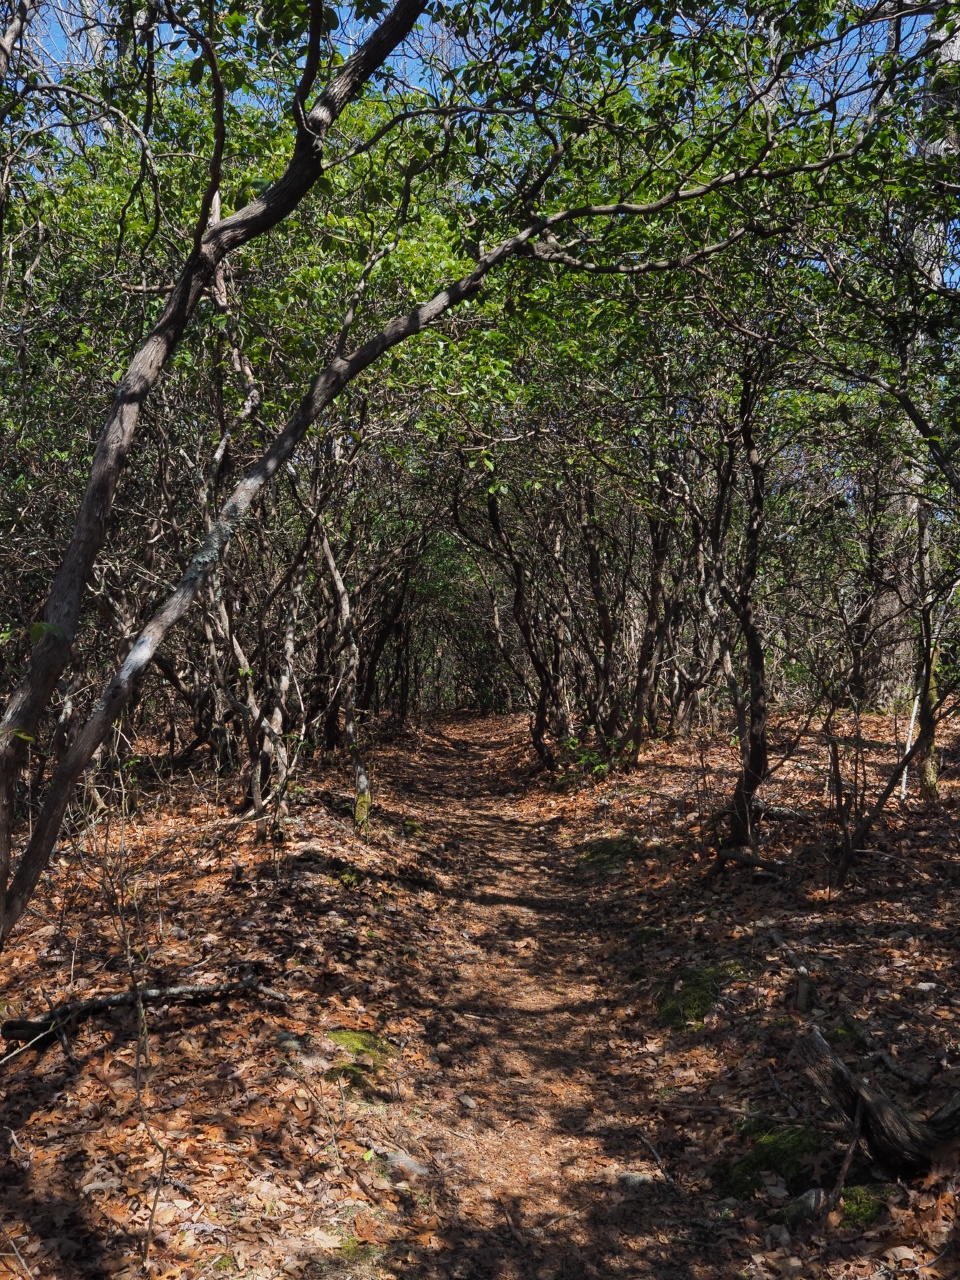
point(42, 1032)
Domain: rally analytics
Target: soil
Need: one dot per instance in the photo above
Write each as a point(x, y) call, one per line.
point(515, 1032)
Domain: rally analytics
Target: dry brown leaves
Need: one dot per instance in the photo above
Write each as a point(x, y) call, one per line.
point(512, 1099)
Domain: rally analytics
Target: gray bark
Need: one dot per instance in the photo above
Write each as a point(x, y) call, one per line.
point(350, 663)
point(326, 386)
point(901, 1144)
point(14, 32)
point(61, 612)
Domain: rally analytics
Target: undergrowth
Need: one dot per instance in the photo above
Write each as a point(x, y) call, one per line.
point(781, 1152)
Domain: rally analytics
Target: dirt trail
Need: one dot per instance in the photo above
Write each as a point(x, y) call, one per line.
point(462, 935)
point(525, 1106)
point(492, 1016)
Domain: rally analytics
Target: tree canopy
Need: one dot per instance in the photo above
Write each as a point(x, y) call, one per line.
point(597, 359)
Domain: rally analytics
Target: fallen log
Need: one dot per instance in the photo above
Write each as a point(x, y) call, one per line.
point(41, 1032)
point(902, 1145)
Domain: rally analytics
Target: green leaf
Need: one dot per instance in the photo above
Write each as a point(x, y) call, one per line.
point(40, 630)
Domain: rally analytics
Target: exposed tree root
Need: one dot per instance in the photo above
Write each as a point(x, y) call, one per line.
point(760, 810)
point(913, 1078)
point(743, 858)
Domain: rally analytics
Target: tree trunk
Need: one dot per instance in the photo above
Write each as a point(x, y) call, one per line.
point(927, 760)
point(754, 768)
point(928, 765)
point(323, 390)
point(22, 15)
point(61, 612)
point(650, 644)
point(754, 749)
point(522, 617)
point(902, 1145)
point(348, 690)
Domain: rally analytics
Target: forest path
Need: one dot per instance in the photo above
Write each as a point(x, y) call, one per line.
point(454, 1074)
point(521, 1094)
point(487, 1016)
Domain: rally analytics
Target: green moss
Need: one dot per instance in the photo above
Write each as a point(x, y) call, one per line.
point(357, 1042)
point(850, 1036)
point(688, 996)
point(373, 1053)
point(352, 1250)
point(610, 851)
point(350, 877)
point(356, 1075)
point(411, 828)
point(863, 1205)
point(754, 1126)
point(780, 1152)
point(361, 810)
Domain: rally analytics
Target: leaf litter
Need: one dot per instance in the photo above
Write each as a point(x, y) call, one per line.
point(523, 1034)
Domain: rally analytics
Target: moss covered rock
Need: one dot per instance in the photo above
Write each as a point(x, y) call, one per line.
point(345, 872)
point(358, 1042)
point(361, 809)
point(610, 851)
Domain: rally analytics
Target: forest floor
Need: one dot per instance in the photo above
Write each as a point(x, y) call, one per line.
point(515, 1030)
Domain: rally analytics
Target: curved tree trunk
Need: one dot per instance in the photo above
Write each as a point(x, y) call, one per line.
point(61, 613)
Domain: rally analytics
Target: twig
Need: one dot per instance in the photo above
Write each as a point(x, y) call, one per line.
point(153, 1210)
point(785, 1097)
point(61, 1031)
point(920, 1266)
point(709, 1109)
point(514, 1230)
point(322, 1103)
point(13, 1245)
point(804, 985)
point(559, 1217)
point(781, 812)
point(16, 1142)
point(660, 1165)
point(741, 1113)
point(143, 1052)
point(31, 1044)
point(847, 1159)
